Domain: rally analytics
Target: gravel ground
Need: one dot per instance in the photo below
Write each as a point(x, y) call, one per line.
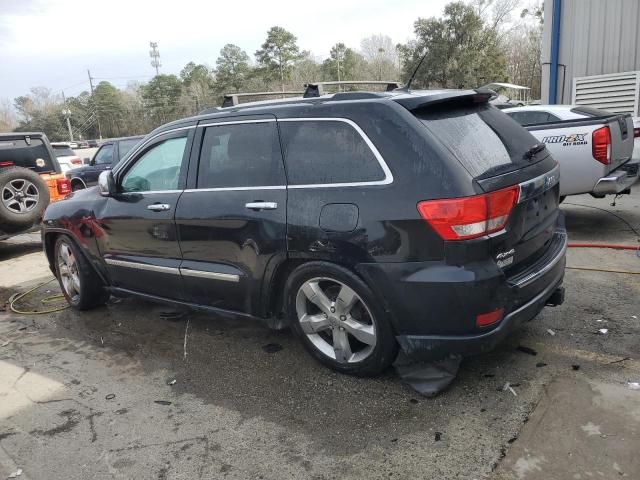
point(80, 391)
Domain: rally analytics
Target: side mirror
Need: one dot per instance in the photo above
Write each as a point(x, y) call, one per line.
point(106, 184)
point(86, 161)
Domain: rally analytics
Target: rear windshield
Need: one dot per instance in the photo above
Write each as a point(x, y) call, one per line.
point(125, 146)
point(32, 154)
point(63, 151)
point(592, 112)
point(485, 140)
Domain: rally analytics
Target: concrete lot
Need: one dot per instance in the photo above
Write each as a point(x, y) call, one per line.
point(79, 393)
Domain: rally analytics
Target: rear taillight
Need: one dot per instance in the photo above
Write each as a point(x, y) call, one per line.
point(63, 185)
point(470, 217)
point(486, 319)
point(76, 161)
point(601, 145)
point(636, 132)
point(6, 164)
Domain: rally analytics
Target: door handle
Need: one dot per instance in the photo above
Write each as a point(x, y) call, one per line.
point(261, 205)
point(159, 207)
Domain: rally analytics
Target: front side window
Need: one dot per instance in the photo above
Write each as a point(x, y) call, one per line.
point(157, 169)
point(327, 152)
point(104, 155)
point(240, 155)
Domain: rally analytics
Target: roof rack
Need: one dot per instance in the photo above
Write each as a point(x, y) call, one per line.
point(316, 89)
point(232, 99)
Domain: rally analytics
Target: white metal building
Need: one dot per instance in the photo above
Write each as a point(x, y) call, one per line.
point(584, 38)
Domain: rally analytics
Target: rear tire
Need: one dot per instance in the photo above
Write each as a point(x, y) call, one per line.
point(24, 195)
point(339, 320)
point(80, 284)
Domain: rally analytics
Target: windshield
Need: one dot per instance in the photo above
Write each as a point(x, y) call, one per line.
point(63, 152)
point(125, 146)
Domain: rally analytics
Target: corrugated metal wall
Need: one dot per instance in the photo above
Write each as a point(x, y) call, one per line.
point(596, 37)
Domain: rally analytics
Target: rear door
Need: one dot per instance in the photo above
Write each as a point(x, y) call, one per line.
point(232, 218)
point(140, 243)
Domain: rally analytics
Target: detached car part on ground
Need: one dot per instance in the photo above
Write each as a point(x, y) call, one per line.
point(30, 179)
point(426, 221)
point(593, 147)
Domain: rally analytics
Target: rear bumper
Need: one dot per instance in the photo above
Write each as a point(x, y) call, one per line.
point(434, 306)
point(617, 181)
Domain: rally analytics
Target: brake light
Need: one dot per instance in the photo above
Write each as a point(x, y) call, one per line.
point(470, 217)
point(76, 160)
point(486, 319)
point(636, 132)
point(601, 145)
point(6, 164)
point(63, 185)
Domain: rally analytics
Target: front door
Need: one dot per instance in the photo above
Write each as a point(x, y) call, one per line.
point(140, 245)
point(232, 219)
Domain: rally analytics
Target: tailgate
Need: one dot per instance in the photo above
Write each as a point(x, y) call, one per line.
point(621, 128)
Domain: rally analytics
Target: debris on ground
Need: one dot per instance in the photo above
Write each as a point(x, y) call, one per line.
point(528, 350)
point(541, 364)
point(172, 382)
point(110, 396)
point(16, 474)
point(427, 378)
point(634, 385)
point(604, 331)
point(5, 343)
point(551, 332)
point(162, 402)
point(438, 436)
point(272, 347)
point(507, 386)
point(575, 367)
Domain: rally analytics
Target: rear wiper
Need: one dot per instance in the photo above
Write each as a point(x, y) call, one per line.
point(533, 151)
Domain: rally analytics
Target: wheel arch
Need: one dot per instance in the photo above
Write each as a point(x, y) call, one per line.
point(49, 241)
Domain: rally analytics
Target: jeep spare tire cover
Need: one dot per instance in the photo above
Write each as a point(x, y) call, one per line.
point(24, 195)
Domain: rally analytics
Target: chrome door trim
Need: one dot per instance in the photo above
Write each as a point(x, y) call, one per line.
point(142, 266)
point(225, 277)
point(235, 189)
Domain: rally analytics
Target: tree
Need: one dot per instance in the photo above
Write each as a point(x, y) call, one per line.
point(306, 70)
point(278, 54)
point(343, 63)
point(161, 98)
point(40, 110)
point(232, 68)
point(198, 87)
point(460, 50)
point(381, 55)
point(106, 103)
point(8, 119)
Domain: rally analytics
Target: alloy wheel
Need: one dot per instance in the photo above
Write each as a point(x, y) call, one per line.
point(20, 196)
point(336, 320)
point(68, 268)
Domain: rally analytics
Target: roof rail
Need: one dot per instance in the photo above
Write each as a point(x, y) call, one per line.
point(232, 99)
point(316, 89)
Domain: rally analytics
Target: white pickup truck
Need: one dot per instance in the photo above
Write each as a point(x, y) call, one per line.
point(593, 147)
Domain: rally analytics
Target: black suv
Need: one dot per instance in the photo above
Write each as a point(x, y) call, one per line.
point(366, 221)
point(105, 158)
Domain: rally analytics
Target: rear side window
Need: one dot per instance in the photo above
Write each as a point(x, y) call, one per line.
point(483, 139)
point(327, 152)
point(240, 155)
point(26, 154)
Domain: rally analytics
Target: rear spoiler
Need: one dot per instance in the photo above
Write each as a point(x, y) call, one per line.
point(316, 89)
point(415, 102)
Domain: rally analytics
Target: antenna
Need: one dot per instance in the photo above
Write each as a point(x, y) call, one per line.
point(413, 75)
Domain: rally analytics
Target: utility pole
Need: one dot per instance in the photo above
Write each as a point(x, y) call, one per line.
point(154, 53)
point(96, 106)
point(67, 113)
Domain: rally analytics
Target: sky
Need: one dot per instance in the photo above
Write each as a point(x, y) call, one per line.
point(52, 43)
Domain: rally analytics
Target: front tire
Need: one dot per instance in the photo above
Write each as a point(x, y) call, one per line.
point(80, 284)
point(339, 320)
